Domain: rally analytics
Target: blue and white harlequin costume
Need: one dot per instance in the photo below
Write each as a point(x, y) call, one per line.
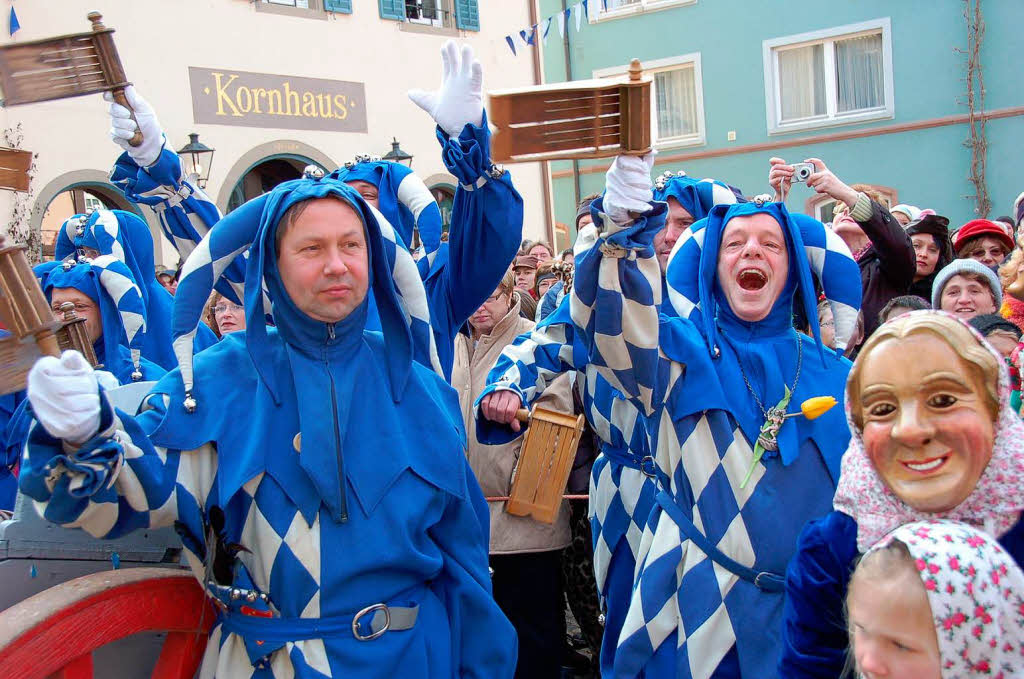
point(622, 486)
point(126, 237)
point(707, 598)
point(290, 515)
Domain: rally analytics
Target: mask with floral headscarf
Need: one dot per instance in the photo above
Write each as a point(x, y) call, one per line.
point(994, 504)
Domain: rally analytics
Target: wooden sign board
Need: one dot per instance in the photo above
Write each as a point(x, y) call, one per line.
point(545, 463)
point(14, 167)
point(583, 119)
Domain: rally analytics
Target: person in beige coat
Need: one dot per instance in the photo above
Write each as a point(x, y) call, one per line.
point(525, 554)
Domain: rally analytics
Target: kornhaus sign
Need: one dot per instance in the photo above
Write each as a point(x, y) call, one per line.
point(227, 97)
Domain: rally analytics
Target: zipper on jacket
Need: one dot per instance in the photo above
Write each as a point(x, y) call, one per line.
point(343, 506)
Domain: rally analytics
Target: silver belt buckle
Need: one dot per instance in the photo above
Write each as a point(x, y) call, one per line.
point(371, 610)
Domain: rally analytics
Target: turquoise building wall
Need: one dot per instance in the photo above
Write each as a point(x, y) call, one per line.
point(927, 167)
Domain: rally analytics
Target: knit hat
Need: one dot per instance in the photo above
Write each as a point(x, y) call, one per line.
point(965, 266)
point(982, 227)
point(989, 323)
point(911, 211)
point(583, 210)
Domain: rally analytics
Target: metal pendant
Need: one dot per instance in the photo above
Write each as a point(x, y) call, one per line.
point(768, 437)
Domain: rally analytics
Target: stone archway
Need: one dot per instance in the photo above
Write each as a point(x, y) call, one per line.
point(283, 149)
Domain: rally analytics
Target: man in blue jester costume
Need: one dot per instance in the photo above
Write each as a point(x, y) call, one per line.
point(487, 216)
point(622, 487)
point(318, 481)
point(719, 383)
point(126, 237)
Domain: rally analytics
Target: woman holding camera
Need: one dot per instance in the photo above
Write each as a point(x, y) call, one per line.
point(878, 242)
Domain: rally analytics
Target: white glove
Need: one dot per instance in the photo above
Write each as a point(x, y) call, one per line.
point(65, 397)
point(106, 379)
point(122, 127)
point(459, 101)
point(628, 187)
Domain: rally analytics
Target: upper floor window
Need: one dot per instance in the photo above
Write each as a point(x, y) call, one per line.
point(840, 75)
point(678, 99)
point(453, 14)
point(614, 9)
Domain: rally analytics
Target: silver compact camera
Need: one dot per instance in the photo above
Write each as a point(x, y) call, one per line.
point(802, 172)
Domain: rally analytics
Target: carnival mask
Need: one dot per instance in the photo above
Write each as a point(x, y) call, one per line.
point(928, 424)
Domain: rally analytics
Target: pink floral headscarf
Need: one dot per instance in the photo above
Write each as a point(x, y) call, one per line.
point(995, 504)
point(976, 593)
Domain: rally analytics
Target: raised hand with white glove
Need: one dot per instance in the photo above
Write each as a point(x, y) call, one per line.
point(123, 127)
point(65, 397)
point(459, 100)
point(628, 187)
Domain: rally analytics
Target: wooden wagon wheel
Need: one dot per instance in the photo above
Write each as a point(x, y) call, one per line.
point(54, 633)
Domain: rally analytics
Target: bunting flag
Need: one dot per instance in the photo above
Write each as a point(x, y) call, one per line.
point(530, 36)
point(14, 23)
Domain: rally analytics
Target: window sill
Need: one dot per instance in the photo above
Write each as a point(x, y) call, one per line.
point(285, 10)
point(853, 119)
point(680, 142)
point(427, 29)
point(632, 10)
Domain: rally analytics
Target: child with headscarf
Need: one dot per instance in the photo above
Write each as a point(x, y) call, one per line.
point(953, 449)
point(937, 600)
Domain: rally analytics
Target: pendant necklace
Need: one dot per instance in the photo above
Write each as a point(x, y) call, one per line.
point(775, 417)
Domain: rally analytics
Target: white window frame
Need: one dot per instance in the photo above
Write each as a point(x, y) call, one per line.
point(669, 64)
point(630, 10)
point(443, 11)
point(773, 102)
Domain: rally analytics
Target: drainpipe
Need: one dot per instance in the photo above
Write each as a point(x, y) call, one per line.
point(545, 166)
point(568, 77)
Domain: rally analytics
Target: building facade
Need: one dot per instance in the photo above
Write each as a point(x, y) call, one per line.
point(271, 85)
point(876, 89)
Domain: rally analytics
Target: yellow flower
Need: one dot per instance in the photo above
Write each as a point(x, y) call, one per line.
point(813, 408)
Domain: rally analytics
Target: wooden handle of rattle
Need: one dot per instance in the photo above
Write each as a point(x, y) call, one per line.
point(119, 97)
point(523, 415)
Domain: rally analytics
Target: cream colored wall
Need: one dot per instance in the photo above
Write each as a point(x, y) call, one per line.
point(159, 40)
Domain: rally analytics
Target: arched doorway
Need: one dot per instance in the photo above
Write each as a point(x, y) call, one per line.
point(264, 167)
point(265, 175)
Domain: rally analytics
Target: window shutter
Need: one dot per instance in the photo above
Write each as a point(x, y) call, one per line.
point(339, 6)
point(467, 18)
point(392, 9)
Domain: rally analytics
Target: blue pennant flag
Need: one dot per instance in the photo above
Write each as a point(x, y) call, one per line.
point(533, 35)
point(14, 23)
point(586, 10)
point(511, 43)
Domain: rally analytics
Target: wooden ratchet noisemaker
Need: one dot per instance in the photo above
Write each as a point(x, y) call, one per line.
point(545, 463)
point(63, 67)
point(597, 118)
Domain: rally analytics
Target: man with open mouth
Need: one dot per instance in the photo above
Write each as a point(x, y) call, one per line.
point(718, 377)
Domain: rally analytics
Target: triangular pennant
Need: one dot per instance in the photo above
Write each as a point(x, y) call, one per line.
point(511, 43)
point(560, 17)
point(545, 28)
point(586, 8)
point(579, 15)
point(522, 34)
point(533, 35)
point(14, 23)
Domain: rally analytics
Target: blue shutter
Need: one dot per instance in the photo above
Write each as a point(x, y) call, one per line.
point(392, 9)
point(467, 18)
point(339, 6)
